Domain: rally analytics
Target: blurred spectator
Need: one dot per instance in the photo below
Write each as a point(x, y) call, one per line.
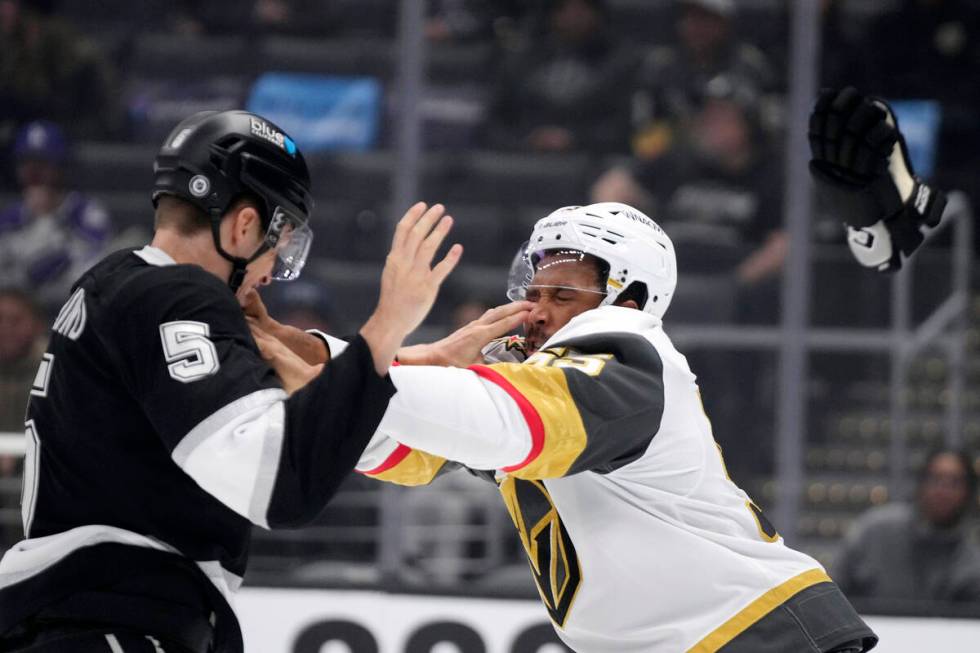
point(186, 19)
point(930, 49)
point(468, 20)
point(718, 188)
point(49, 70)
point(921, 551)
point(565, 90)
point(718, 193)
point(671, 78)
point(298, 17)
point(21, 345)
point(458, 20)
point(276, 15)
point(50, 236)
point(261, 18)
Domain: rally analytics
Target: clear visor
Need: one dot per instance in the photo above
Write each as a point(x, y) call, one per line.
point(521, 273)
point(520, 284)
point(290, 236)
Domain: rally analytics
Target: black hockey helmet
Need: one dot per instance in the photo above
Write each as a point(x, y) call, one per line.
point(214, 157)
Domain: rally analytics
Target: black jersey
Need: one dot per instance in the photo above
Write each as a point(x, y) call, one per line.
point(157, 436)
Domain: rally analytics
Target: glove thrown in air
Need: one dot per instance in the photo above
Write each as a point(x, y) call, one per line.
point(862, 171)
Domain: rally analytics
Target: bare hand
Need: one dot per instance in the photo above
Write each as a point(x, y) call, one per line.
point(292, 370)
point(306, 345)
point(409, 282)
point(464, 346)
point(254, 308)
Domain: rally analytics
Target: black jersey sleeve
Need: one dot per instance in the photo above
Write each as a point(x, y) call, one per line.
point(329, 423)
point(190, 360)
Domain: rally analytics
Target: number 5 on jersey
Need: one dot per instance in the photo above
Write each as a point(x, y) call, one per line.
point(189, 352)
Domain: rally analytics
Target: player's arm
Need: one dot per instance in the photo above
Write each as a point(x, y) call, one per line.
point(313, 346)
point(220, 410)
point(382, 454)
point(591, 403)
point(467, 345)
point(294, 373)
point(222, 413)
point(863, 174)
point(461, 348)
point(386, 459)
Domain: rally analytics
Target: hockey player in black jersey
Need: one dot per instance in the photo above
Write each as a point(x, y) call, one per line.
point(157, 435)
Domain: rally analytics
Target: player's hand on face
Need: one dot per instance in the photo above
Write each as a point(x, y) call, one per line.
point(254, 308)
point(409, 282)
point(464, 346)
point(307, 346)
point(292, 370)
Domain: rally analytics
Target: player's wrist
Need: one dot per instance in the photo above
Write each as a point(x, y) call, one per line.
point(927, 202)
point(384, 337)
point(273, 327)
point(313, 349)
point(421, 354)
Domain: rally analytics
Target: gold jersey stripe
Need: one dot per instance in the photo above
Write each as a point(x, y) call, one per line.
point(414, 468)
point(546, 389)
point(758, 609)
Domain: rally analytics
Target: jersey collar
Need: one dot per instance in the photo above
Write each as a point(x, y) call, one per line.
point(155, 256)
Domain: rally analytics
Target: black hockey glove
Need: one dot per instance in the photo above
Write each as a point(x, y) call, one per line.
point(862, 171)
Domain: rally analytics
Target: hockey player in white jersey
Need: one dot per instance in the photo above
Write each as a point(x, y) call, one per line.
point(636, 537)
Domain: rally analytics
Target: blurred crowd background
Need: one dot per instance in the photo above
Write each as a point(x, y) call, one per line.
point(675, 106)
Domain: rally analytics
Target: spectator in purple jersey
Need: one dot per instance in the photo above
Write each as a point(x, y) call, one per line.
point(52, 234)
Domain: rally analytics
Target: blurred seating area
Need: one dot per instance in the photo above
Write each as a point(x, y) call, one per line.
point(677, 106)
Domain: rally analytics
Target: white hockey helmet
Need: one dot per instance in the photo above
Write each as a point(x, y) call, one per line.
point(634, 247)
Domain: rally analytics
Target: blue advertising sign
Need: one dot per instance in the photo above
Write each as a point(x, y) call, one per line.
point(322, 113)
point(919, 121)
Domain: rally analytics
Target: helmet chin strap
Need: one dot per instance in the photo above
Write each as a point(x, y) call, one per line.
point(239, 265)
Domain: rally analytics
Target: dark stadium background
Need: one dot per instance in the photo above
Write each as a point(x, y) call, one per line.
point(826, 383)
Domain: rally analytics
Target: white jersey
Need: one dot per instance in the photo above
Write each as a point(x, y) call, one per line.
point(637, 538)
